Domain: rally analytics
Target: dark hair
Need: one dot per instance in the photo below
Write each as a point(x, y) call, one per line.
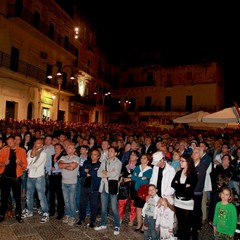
point(18, 135)
point(58, 144)
point(148, 157)
point(115, 149)
point(191, 167)
point(205, 143)
point(86, 147)
point(227, 155)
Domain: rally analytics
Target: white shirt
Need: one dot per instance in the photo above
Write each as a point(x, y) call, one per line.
point(36, 168)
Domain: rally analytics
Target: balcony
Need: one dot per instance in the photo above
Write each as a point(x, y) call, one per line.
point(177, 108)
point(83, 100)
point(44, 28)
point(29, 71)
point(139, 84)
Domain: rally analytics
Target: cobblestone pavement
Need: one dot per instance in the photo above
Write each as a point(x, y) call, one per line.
point(32, 229)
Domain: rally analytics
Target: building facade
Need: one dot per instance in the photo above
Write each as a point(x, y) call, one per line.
point(42, 47)
point(155, 94)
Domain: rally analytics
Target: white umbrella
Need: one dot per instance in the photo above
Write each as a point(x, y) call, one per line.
point(227, 115)
point(191, 118)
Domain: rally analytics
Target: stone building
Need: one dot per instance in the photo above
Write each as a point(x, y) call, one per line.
point(51, 67)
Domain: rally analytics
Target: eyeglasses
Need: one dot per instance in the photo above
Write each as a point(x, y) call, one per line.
point(182, 161)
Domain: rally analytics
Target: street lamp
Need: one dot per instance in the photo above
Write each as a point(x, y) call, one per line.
point(103, 95)
point(59, 78)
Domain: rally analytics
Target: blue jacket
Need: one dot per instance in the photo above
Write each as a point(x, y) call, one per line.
point(93, 168)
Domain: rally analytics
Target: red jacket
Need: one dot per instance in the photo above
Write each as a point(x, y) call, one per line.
point(20, 155)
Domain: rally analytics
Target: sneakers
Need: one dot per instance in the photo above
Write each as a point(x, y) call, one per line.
point(100, 228)
point(45, 218)
point(26, 214)
point(116, 231)
point(40, 212)
point(71, 221)
point(65, 219)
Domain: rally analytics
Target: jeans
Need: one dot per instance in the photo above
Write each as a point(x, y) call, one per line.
point(149, 228)
point(92, 197)
point(105, 197)
point(78, 192)
point(69, 194)
point(39, 184)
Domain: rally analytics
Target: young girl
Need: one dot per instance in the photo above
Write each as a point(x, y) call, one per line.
point(149, 213)
point(165, 218)
point(225, 216)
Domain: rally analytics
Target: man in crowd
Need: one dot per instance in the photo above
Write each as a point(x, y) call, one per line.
point(13, 162)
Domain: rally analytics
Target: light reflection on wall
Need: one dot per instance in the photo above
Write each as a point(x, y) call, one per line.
point(81, 87)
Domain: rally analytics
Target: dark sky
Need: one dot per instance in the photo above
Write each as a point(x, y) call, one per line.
point(179, 32)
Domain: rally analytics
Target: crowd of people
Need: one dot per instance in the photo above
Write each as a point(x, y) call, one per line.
point(71, 170)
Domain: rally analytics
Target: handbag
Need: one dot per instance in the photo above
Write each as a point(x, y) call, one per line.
point(123, 191)
point(113, 186)
point(142, 192)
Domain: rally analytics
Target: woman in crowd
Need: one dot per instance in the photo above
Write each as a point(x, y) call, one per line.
point(141, 175)
point(184, 184)
point(27, 142)
point(126, 188)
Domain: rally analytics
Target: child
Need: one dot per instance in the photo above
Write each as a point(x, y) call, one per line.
point(225, 216)
point(149, 213)
point(166, 218)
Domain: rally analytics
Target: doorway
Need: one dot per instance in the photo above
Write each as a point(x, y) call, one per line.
point(30, 111)
point(10, 110)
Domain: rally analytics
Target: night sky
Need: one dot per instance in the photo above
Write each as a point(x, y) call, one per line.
point(179, 32)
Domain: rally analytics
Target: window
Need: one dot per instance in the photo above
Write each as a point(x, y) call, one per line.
point(14, 59)
point(36, 19)
point(19, 8)
point(150, 76)
point(148, 102)
point(66, 42)
point(100, 68)
point(132, 104)
point(64, 82)
point(189, 103)
point(168, 103)
point(89, 63)
point(48, 73)
point(168, 82)
point(131, 77)
point(51, 31)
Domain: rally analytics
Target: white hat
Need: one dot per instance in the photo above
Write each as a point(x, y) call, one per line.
point(169, 198)
point(157, 156)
